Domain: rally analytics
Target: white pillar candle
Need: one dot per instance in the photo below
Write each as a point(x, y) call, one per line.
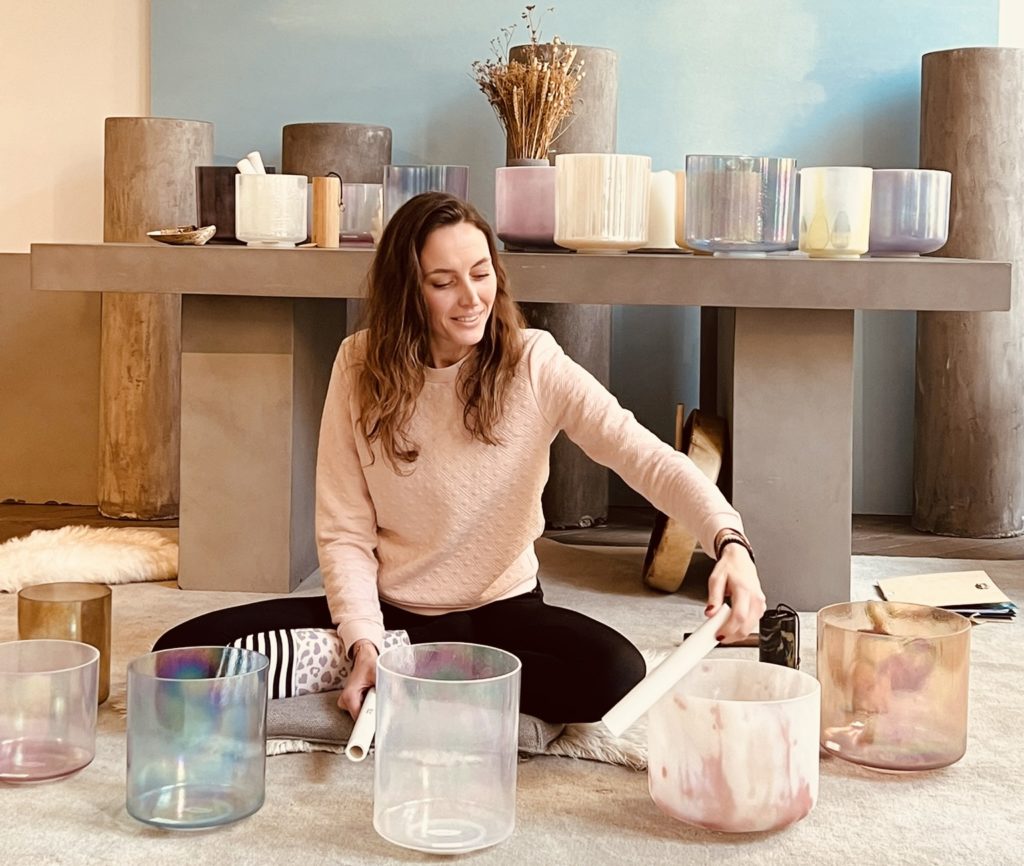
point(661, 221)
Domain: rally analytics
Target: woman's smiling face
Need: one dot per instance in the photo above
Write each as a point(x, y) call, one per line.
point(459, 287)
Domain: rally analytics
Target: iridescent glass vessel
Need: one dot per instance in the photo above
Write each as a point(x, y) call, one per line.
point(739, 205)
point(894, 680)
point(197, 736)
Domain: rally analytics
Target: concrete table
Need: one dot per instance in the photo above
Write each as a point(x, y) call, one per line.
point(261, 327)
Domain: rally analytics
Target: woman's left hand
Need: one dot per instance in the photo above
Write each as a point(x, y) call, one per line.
point(735, 577)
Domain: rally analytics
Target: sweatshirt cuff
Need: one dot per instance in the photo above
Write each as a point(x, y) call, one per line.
point(360, 630)
point(715, 524)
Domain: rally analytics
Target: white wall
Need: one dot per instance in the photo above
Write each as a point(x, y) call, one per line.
point(1011, 23)
point(65, 65)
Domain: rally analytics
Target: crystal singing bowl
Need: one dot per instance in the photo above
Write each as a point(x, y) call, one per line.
point(47, 708)
point(734, 746)
point(446, 756)
point(602, 201)
point(196, 736)
point(270, 209)
point(739, 204)
point(835, 211)
point(894, 680)
point(403, 182)
point(361, 213)
point(909, 211)
point(524, 205)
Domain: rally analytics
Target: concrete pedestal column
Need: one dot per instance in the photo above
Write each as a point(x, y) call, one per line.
point(148, 183)
point(577, 491)
point(968, 444)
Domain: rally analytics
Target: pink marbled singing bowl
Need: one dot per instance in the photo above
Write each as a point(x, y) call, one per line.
point(734, 746)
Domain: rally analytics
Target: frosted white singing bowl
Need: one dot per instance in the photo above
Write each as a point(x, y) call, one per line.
point(270, 209)
point(734, 746)
point(601, 201)
point(909, 211)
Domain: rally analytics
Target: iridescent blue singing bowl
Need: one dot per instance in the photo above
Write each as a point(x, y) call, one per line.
point(196, 736)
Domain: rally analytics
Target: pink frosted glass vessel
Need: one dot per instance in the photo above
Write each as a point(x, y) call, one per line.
point(894, 681)
point(47, 708)
point(734, 746)
point(524, 206)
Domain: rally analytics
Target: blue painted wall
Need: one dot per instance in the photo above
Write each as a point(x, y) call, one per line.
point(827, 82)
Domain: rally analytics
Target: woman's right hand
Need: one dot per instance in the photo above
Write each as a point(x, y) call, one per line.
point(362, 678)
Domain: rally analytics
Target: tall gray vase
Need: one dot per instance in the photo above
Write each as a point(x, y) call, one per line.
point(357, 152)
point(968, 446)
point(577, 490)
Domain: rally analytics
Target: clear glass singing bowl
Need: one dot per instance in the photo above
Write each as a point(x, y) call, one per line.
point(739, 205)
point(48, 703)
point(894, 683)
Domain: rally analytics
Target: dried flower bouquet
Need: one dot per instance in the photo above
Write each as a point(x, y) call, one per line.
point(531, 99)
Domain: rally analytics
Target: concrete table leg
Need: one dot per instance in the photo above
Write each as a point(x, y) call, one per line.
point(254, 375)
point(787, 390)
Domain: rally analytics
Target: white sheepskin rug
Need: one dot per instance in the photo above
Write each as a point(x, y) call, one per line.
point(87, 554)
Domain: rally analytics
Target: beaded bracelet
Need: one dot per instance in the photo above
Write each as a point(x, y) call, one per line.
point(734, 537)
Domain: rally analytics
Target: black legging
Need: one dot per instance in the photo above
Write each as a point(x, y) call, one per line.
point(574, 668)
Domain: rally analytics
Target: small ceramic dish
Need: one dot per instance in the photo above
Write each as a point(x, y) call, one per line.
point(184, 235)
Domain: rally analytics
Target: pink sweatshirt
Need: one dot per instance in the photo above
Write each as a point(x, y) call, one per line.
point(458, 531)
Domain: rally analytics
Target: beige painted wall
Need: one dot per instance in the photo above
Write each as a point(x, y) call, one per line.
point(1011, 24)
point(65, 66)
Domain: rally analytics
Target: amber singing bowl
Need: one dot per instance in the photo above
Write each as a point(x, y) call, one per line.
point(69, 611)
point(894, 682)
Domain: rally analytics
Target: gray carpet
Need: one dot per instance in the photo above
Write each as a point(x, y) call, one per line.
point(319, 806)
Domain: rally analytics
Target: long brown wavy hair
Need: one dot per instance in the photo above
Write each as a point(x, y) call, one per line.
point(398, 342)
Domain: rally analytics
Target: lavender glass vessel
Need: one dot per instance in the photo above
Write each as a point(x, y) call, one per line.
point(524, 206)
point(894, 680)
point(909, 211)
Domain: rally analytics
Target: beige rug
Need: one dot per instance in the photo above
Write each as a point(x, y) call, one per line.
point(319, 806)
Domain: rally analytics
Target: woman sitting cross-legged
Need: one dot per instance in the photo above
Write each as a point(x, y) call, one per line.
point(433, 453)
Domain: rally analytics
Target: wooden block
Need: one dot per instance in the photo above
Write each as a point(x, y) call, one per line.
point(326, 212)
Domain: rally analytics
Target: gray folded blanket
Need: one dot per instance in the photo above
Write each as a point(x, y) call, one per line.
point(315, 718)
